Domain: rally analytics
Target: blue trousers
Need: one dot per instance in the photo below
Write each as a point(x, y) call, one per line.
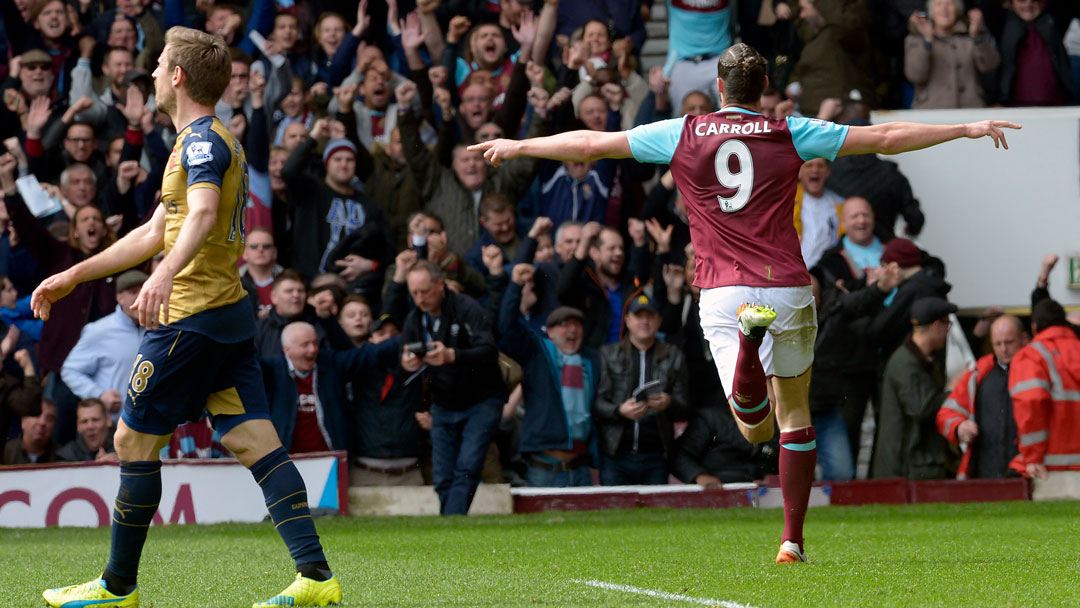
point(539, 477)
point(459, 443)
point(833, 447)
point(633, 470)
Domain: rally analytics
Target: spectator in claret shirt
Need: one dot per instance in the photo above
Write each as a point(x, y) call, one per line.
point(306, 388)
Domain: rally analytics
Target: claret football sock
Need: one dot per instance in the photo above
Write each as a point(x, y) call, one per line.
point(286, 500)
point(750, 395)
point(136, 502)
point(798, 457)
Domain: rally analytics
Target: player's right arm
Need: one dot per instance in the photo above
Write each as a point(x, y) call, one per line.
point(136, 247)
point(897, 137)
point(581, 146)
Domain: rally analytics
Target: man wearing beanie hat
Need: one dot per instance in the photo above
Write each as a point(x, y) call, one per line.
point(328, 210)
point(560, 382)
point(916, 281)
point(100, 364)
point(912, 391)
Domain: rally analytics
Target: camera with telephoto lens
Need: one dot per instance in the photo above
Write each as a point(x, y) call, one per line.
point(418, 348)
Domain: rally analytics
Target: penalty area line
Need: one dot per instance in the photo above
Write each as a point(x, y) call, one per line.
point(662, 594)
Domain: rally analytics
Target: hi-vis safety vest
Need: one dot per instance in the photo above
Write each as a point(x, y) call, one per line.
point(1044, 382)
point(960, 406)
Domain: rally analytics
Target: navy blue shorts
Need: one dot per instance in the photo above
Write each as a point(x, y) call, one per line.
point(180, 374)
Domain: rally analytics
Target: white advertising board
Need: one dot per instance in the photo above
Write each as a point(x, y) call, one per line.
point(192, 492)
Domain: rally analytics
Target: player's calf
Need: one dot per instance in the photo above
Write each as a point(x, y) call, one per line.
point(749, 396)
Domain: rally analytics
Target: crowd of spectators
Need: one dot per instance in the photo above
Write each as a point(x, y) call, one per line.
point(446, 321)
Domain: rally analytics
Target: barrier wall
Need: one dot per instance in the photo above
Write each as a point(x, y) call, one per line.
point(193, 492)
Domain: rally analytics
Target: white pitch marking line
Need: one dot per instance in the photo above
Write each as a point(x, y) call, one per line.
point(663, 594)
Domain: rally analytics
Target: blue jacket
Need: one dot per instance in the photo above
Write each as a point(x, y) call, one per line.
point(545, 426)
point(562, 198)
point(332, 370)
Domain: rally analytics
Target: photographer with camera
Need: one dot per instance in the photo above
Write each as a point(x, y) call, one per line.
point(448, 338)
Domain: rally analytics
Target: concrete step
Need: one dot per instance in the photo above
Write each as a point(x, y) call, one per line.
point(656, 29)
point(655, 46)
point(659, 12)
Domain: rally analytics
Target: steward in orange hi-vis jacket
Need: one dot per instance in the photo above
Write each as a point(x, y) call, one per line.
point(960, 406)
point(1044, 381)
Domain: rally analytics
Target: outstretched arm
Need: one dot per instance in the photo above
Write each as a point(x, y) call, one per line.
point(137, 246)
point(897, 137)
point(582, 146)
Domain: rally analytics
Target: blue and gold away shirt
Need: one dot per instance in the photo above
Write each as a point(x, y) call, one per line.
point(206, 155)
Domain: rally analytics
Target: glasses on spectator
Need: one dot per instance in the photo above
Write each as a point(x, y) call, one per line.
point(81, 140)
point(474, 99)
point(30, 67)
point(258, 246)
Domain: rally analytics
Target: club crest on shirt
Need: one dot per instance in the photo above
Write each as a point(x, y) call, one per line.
point(199, 152)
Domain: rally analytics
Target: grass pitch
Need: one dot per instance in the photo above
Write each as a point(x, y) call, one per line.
point(996, 554)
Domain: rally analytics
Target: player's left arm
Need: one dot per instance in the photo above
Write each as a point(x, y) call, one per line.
point(154, 295)
point(898, 137)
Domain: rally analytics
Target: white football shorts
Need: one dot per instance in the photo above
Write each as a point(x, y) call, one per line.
point(787, 350)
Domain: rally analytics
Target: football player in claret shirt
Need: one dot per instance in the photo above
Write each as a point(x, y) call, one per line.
point(737, 172)
point(198, 353)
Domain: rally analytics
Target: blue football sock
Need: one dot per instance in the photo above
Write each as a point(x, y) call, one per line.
point(136, 502)
point(286, 500)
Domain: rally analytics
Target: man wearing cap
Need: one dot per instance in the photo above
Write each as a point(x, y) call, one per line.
point(912, 391)
point(559, 389)
point(919, 278)
point(642, 390)
point(100, 364)
point(327, 211)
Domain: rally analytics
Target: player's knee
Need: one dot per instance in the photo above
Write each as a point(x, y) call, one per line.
point(759, 434)
point(132, 446)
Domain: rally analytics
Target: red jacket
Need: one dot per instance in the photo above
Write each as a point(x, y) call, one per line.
point(1044, 382)
point(960, 406)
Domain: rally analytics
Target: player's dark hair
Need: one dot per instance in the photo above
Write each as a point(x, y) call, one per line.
point(288, 275)
point(1046, 314)
point(743, 71)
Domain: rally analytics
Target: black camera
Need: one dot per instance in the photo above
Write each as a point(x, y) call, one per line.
point(418, 348)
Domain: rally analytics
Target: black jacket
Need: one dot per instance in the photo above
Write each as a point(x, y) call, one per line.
point(268, 332)
point(465, 327)
point(580, 287)
point(617, 384)
point(889, 326)
point(882, 184)
point(842, 348)
point(712, 444)
point(1012, 36)
point(384, 410)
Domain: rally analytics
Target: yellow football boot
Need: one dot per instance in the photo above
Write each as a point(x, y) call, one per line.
point(92, 594)
point(306, 592)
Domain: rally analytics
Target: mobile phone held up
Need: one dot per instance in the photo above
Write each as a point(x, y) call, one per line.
point(418, 348)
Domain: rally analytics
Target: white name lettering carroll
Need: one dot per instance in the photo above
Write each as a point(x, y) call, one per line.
point(750, 128)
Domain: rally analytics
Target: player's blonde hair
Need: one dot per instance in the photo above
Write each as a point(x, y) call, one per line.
point(206, 62)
